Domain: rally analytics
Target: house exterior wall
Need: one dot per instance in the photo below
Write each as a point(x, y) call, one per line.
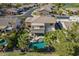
point(71, 19)
point(28, 24)
point(49, 27)
point(38, 28)
point(74, 18)
point(67, 23)
point(63, 20)
point(42, 28)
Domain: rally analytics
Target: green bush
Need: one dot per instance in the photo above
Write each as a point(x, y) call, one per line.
point(65, 48)
point(11, 39)
point(65, 42)
point(22, 39)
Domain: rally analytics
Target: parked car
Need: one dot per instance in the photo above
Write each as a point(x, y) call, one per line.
point(23, 9)
point(2, 12)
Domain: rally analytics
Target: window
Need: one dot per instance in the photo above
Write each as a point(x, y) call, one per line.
point(51, 24)
point(29, 26)
point(41, 26)
point(36, 27)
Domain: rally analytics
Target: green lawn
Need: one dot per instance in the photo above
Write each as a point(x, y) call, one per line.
point(27, 54)
point(72, 5)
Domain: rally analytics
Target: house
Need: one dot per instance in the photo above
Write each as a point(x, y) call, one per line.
point(40, 24)
point(48, 7)
point(67, 21)
point(9, 22)
point(40, 12)
point(11, 11)
point(44, 10)
point(74, 11)
point(62, 18)
point(67, 18)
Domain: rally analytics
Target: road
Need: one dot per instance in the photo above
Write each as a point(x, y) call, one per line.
point(28, 12)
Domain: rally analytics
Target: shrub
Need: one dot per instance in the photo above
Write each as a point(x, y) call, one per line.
point(65, 48)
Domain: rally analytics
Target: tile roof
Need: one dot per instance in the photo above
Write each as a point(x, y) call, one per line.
point(68, 24)
point(41, 19)
point(5, 20)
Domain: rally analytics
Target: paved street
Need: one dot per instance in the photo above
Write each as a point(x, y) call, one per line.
point(28, 12)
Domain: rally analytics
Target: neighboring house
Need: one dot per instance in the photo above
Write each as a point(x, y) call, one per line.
point(11, 11)
point(40, 24)
point(62, 18)
point(44, 10)
point(67, 25)
point(73, 10)
point(9, 22)
point(48, 7)
point(74, 18)
point(40, 12)
point(67, 21)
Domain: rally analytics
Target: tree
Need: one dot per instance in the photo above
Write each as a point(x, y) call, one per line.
point(65, 42)
point(59, 12)
point(69, 12)
point(55, 37)
point(58, 9)
point(22, 35)
point(54, 12)
point(10, 38)
point(18, 5)
point(73, 34)
point(23, 39)
point(59, 5)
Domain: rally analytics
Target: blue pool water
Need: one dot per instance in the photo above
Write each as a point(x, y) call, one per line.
point(38, 45)
point(3, 42)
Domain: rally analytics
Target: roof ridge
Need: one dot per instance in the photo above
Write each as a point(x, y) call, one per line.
point(35, 18)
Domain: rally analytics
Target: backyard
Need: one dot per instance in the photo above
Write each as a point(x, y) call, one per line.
point(27, 54)
point(61, 42)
